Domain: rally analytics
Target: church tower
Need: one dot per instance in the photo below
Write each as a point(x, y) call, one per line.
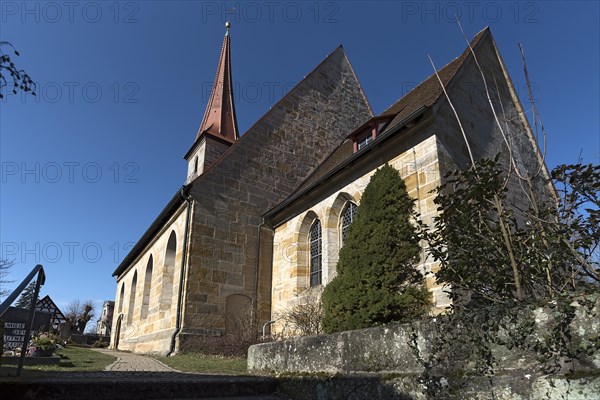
point(218, 129)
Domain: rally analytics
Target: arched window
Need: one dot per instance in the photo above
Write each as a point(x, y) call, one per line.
point(196, 165)
point(146, 290)
point(132, 298)
point(347, 217)
point(316, 250)
point(121, 297)
point(166, 296)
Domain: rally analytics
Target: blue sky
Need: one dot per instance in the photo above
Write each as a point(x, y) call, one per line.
point(89, 163)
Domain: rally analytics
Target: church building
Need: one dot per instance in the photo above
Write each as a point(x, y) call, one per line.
point(260, 218)
point(207, 255)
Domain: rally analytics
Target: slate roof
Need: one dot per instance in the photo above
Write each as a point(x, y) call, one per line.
point(424, 95)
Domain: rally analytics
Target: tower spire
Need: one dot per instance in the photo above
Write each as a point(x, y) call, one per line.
point(218, 129)
point(219, 118)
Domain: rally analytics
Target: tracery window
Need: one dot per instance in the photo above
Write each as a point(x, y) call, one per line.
point(348, 216)
point(316, 250)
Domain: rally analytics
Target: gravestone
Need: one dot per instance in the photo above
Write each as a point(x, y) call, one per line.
point(64, 331)
point(15, 325)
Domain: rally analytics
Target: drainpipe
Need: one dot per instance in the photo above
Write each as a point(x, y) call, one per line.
point(257, 267)
point(423, 256)
point(263, 223)
point(182, 273)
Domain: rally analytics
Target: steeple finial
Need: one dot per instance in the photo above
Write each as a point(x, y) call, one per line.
point(219, 118)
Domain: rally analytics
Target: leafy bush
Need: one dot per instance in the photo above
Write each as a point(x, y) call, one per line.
point(500, 251)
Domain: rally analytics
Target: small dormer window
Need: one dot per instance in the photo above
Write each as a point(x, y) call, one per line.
point(364, 141)
point(368, 132)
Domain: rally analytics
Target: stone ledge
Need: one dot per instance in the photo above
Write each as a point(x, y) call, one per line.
point(387, 349)
point(125, 386)
point(14, 360)
point(381, 362)
point(396, 387)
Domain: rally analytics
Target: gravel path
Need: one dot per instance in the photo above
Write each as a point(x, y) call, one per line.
point(134, 362)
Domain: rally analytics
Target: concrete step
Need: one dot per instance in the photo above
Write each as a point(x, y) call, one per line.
point(141, 386)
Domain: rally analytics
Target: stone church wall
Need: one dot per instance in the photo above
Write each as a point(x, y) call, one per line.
point(258, 172)
point(415, 159)
point(468, 95)
point(441, 150)
point(147, 315)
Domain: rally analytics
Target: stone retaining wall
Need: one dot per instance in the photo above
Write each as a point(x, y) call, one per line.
point(1, 340)
point(382, 362)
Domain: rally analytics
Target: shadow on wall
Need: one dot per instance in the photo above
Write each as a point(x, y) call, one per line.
point(348, 388)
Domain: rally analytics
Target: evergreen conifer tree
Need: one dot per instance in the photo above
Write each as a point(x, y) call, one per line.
point(377, 281)
point(24, 301)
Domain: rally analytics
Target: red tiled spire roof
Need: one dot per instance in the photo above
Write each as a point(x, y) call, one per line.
point(219, 118)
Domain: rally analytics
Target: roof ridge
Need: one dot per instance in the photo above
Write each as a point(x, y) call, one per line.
point(463, 56)
point(288, 94)
point(400, 109)
point(362, 91)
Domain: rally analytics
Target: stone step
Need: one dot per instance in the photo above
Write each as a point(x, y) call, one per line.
point(267, 397)
point(142, 387)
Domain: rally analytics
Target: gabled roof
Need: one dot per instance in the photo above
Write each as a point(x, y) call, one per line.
point(47, 305)
point(180, 197)
point(429, 91)
point(422, 96)
point(290, 94)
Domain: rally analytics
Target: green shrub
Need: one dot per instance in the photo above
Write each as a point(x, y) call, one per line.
point(44, 344)
point(377, 281)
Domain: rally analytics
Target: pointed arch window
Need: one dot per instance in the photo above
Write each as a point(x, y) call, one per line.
point(168, 275)
point(316, 252)
point(121, 298)
point(147, 287)
point(348, 216)
point(132, 295)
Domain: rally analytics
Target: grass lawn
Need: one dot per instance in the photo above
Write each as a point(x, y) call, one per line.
point(73, 359)
point(201, 363)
